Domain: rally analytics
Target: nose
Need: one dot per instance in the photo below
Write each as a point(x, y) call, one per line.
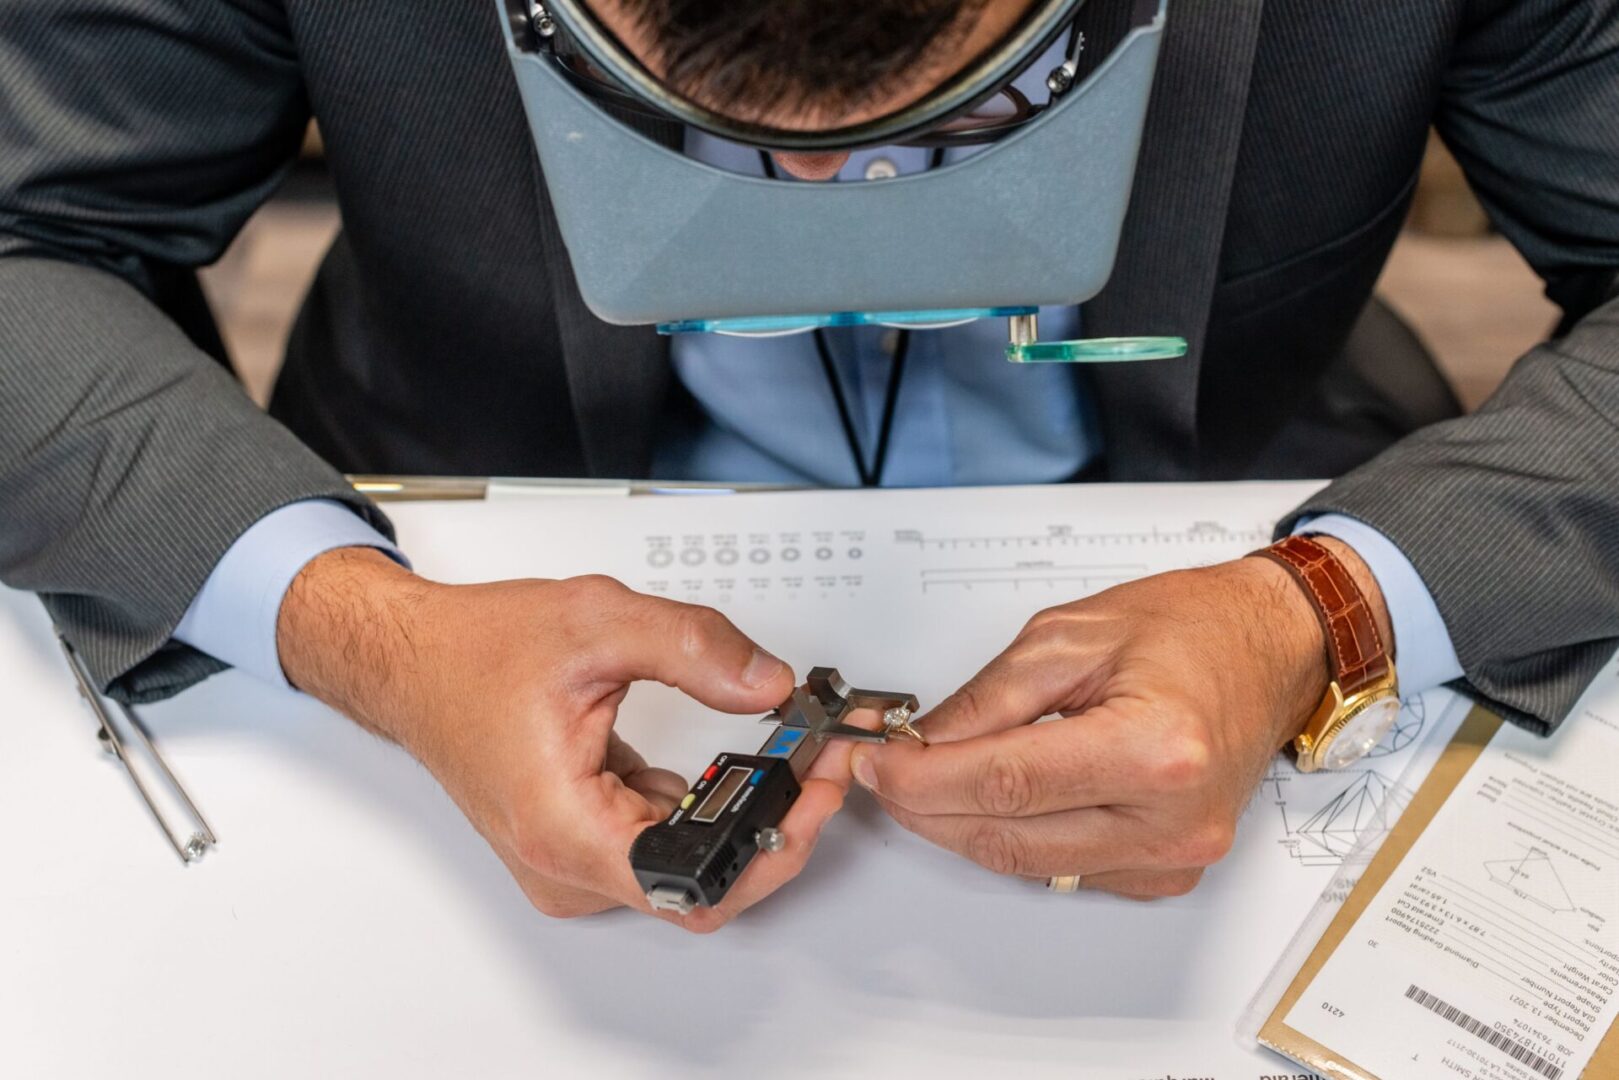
point(818, 166)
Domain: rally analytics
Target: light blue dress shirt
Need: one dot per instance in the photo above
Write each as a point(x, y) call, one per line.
point(233, 617)
point(964, 417)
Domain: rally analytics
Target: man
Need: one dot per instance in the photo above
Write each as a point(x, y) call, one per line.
point(152, 506)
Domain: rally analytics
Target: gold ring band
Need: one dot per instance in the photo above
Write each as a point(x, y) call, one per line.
point(1063, 883)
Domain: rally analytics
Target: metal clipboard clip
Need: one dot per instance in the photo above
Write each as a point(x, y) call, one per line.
point(199, 836)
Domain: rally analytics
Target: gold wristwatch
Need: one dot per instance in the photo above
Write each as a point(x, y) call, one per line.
point(1363, 695)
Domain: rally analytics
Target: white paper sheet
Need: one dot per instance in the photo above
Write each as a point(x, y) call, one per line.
point(1492, 952)
point(351, 923)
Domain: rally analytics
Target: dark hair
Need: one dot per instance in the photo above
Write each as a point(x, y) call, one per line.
point(815, 53)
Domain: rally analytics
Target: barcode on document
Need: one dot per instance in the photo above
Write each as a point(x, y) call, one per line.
point(1501, 1042)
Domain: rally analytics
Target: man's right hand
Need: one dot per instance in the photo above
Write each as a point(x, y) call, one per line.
point(507, 692)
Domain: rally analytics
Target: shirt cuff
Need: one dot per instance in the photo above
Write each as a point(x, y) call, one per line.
point(1424, 657)
point(233, 616)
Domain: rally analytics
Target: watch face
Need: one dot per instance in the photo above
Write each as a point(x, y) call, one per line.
point(1364, 730)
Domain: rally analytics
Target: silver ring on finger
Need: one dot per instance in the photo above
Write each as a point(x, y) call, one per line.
point(1064, 883)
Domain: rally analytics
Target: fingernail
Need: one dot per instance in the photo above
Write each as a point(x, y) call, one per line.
point(864, 771)
point(761, 669)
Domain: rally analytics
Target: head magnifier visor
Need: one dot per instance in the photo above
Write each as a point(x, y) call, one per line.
point(975, 107)
point(1031, 219)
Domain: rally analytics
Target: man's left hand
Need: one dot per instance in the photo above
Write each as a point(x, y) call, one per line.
point(1171, 696)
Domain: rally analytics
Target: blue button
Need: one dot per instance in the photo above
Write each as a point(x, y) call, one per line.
point(758, 775)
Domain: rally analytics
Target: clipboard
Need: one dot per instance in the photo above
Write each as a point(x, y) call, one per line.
point(1464, 750)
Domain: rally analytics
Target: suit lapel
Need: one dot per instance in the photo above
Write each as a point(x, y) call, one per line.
point(1169, 257)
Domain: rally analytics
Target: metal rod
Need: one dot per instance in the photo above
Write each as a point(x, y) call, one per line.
point(206, 833)
point(195, 844)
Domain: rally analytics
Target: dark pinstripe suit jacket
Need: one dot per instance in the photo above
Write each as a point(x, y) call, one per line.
point(445, 333)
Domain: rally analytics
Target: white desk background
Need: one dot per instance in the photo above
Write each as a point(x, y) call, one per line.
point(352, 924)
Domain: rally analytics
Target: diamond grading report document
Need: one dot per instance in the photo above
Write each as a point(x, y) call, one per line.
point(1483, 942)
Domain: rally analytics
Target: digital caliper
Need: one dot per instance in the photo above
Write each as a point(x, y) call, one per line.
point(734, 808)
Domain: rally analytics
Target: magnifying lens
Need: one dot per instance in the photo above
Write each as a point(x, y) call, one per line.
point(1031, 219)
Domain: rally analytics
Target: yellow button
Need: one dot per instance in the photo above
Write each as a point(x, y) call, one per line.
point(685, 804)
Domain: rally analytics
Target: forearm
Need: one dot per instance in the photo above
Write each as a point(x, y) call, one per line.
point(1510, 516)
point(351, 629)
point(129, 463)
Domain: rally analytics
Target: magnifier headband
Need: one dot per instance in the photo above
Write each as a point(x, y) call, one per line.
point(982, 79)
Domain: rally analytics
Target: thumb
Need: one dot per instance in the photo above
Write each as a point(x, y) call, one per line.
point(694, 649)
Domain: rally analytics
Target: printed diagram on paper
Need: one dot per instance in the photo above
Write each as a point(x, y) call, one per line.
point(919, 589)
point(1069, 558)
point(1325, 818)
point(790, 564)
point(1533, 877)
point(1065, 561)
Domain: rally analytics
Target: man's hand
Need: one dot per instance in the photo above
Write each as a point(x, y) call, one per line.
point(507, 692)
point(1174, 693)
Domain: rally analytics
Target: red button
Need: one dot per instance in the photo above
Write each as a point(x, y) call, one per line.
point(712, 769)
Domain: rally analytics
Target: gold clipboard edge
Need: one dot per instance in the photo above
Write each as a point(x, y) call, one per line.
point(388, 487)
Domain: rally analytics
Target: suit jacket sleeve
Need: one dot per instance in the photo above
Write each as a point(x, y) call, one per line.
point(1511, 515)
point(136, 137)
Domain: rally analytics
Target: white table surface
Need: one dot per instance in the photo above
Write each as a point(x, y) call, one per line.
point(352, 924)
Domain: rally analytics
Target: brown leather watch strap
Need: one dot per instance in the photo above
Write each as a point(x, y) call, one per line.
point(1356, 656)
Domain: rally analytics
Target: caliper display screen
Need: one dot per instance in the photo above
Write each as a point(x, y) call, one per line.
point(720, 797)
